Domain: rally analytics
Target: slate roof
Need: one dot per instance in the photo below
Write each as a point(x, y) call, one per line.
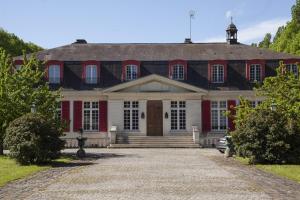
point(158, 52)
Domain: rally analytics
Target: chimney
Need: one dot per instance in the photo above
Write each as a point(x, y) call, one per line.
point(188, 41)
point(80, 41)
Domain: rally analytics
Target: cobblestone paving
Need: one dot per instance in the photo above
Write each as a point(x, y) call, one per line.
point(163, 174)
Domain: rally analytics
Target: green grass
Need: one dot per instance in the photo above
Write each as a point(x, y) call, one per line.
point(10, 170)
point(291, 172)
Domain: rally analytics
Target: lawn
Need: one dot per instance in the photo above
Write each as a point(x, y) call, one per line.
point(10, 170)
point(291, 172)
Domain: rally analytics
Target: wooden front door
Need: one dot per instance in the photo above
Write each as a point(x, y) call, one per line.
point(154, 118)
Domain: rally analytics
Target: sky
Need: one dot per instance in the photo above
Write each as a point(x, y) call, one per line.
point(53, 23)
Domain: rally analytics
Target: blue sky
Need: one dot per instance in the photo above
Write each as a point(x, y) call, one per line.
point(52, 23)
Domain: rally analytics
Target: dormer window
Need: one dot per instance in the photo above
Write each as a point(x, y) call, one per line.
point(91, 72)
point(130, 70)
point(255, 72)
point(54, 74)
point(218, 74)
point(178, 70)
point(217, 71)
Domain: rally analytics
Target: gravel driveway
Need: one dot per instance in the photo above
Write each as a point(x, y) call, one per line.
point(165, 174)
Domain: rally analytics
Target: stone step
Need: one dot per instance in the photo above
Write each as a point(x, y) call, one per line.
point(154, 146)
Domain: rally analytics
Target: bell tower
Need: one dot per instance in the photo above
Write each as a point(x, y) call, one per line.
point(231, 33)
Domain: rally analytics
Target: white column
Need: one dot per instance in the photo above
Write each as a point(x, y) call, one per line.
point(143, 122)
point(193, 114)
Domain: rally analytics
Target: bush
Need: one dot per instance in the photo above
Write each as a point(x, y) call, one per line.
point(33, 138)
point(266, 136)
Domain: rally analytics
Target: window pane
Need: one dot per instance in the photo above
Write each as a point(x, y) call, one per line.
point(127, 119)
point(222, 120)
point(95, 120)
point(222, 104)
point(214, 104)
point(173, 119)
point(86, 120)
point(214, 119)
point(173, 104)
point(135, 119)
point(86, 104)
point(126, 104)
point(182, 119)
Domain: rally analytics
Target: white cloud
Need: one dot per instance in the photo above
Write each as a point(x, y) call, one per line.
point(253, 33)
point(228, 14)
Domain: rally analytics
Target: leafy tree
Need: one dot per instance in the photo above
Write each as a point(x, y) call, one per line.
point(287, 38)
point(19, 90)
point(266, 41)
point(270, 136)
point(15, 46)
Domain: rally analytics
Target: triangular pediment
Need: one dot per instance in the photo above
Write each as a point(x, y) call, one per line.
point(155, 83)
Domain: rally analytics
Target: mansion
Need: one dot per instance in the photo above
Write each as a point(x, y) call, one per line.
point(120, 92)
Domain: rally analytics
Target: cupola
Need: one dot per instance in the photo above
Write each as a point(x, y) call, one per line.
point(231, 32)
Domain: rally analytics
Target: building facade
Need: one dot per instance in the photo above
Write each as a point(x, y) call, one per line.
point(156, 89)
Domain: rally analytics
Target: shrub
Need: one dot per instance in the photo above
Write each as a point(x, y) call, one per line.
point(266, 136)
point(33, 138)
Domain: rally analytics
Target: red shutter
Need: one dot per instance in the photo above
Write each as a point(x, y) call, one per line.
point(77, 118)
point(206, 125)
point(103, 116)
point(231, 105)
point(65, 114)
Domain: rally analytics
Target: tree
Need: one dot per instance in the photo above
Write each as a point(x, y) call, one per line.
point(33, 139)
point(266, 135)
point(19, 90)
point(266, 41)
point(15, 46)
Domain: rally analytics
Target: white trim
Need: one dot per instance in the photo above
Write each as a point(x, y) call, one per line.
point(154, 77)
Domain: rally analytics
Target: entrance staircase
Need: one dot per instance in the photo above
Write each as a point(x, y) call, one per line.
point(180, 141)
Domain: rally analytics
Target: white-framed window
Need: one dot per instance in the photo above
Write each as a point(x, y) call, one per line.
point(91, 116)
point(178, 115)
point(131, 72)
point(255, 72)
point(54, 74)
point(293, 68)
point(253, 104)
point(218, 73)
point(59, 111)
point(178, 72)
point(131, 115)
point(218, 118)
point(91, 74)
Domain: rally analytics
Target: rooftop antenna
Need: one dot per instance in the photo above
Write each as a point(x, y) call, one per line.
point(231, 19)
point(192, 16)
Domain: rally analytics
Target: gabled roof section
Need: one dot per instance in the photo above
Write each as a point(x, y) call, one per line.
point(159, 52)
point(154, 78)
